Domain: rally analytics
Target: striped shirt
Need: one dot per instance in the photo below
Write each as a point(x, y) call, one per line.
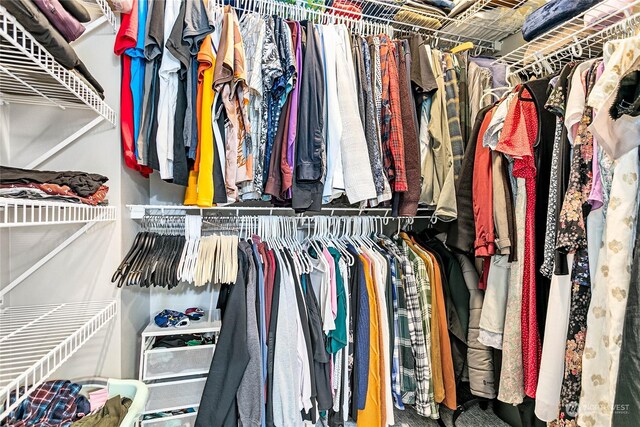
point(452, 97)
point(415, 325)
point(424, 297)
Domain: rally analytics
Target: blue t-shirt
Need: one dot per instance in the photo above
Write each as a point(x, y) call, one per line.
point(138, 63)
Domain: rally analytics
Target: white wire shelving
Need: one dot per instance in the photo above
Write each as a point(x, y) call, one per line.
point(23, 212)
point(37, 340)
point(409, 17)
point(20, 213)
point(106, 11)
point(30, 75)
point(491, 19)
point(583, 36)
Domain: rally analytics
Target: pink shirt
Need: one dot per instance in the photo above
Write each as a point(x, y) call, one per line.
point(332, 273)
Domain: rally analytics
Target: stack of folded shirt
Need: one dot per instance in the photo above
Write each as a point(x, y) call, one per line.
point(55, 23)
point(66, 186)
point(482, 25)
point(444, 5)
point(553, 14)
point(384, 9)
point(347, 8)
point(421, 13)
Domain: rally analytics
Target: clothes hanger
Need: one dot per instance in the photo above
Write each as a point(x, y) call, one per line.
point(300, 248)
point(134, 251)
point(340, 243)
point(287, 231)
point(462, 47)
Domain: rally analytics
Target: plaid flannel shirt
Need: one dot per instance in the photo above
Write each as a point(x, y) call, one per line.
point(395, 372)
point(407, 361)
point(424, 298)
point(452, 97)
point(392, 138)
point(51, 404)
point(414, 317)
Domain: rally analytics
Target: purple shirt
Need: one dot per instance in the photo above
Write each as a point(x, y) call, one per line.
point(295, 97)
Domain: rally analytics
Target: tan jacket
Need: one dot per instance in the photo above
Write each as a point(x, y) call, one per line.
point(442, 179)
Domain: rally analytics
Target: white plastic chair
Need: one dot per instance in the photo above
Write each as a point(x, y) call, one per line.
point(137, 391)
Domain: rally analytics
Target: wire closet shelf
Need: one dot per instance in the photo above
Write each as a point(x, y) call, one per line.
point(582, 37)
point(106, 10)
point(37, 340)
point(482, 24)
point(20, 213)
point(30, 75)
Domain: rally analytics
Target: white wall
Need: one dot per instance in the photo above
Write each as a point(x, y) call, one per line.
point(83, 270)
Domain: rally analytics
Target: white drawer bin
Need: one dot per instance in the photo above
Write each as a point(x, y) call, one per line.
point(170, 395)
point(161, 363)
point(182, 420)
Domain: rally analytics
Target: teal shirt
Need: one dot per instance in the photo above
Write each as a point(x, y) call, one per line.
point(337, 339)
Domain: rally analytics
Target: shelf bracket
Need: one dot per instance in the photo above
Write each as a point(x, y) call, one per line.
point(67, 141)
point(94, 24)
point(137, 212)
point(5, 290)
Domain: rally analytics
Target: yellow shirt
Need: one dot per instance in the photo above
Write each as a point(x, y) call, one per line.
point(372, 414)
point(200, 186)
point(437, 296)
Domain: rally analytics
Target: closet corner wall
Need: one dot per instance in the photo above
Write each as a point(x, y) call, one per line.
point(81, 271)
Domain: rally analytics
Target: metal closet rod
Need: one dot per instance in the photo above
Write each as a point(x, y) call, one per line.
point(139, 211)
point(154, 220)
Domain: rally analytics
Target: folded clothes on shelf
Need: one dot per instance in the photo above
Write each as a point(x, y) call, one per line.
point(77, 10)
point(61, 19)
point(444, 5)
point(184, 340)
point(422, 14)
point(82, 184)
point(52, 192)
point(553, 14)
point(346, 8)
point(37, 24)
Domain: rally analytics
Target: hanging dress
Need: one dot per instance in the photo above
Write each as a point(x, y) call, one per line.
point(572, 238)
point(609, 300)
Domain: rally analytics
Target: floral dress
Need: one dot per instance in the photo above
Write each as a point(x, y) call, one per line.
point(572, 238)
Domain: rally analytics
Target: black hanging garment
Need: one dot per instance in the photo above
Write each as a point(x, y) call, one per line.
point(218, 405)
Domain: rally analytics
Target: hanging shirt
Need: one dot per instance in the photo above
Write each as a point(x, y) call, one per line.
point(321, 281)
point(169, 68)
point(334, 181)
point(127, 39)
point(391, 127)
point(358, 178)
point(230, 80)
point(252, 29)
point(622, 135)
point(204, 100)
point(373, 412)
point(337, 339)
point(137, 70)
